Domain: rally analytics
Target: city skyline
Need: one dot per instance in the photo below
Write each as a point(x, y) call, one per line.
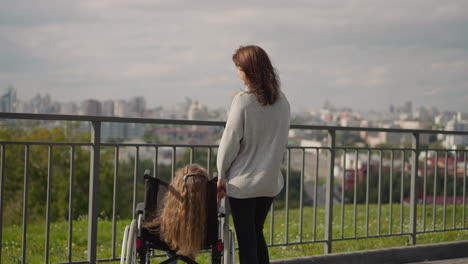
point(401, 107)
point(403, 116)
point(359, 54)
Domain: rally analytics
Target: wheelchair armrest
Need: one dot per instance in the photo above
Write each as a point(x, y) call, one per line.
point(140, 209)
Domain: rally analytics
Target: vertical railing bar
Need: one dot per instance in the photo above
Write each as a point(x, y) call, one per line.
point(367, 190)
point(444, 217)
point(173, 165)
point(355, 194)
point(2, 187)
point(286, 213)
point(155, 162)
point(464, 191)
point(402, 180)
point(272, 223)
point(424, 191)
point(413, 196)
point(454, 224)
point(114, 199)
point(343, 186)
point(208, 166)
point(155, 170)
point(93, 207)
point(135, 177)
point(191, 154)
point(25, 203)
point(434, 194)
point(379, 198)
point(390, 195)
point(49, 184)
point(70, 203)
point(328, 234)
point(301, 195)
point(314, 226)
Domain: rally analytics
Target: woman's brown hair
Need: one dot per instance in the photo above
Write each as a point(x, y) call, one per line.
point(262, 78)
point(182, 221)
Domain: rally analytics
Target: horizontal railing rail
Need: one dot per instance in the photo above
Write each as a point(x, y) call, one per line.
point(112, 119)
point(314, 195)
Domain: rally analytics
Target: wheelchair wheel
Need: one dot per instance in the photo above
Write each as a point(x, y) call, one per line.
point(124, 245)
point(131, 254)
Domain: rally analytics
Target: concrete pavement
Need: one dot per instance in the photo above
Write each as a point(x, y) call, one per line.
point(446, 261)
point(445, 252)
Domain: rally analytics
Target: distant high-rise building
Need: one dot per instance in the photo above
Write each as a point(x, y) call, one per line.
point(462, 116)
point(108, 108)
point(121, 108)
point(452, 141)
point(23, 107)
point(91, 107)
point(69, 108)
point(197, 111)
point(407, 107)
point(137, 106)
point(422, 113)
point(44, 104)
point(8, 100)
point(443, 118)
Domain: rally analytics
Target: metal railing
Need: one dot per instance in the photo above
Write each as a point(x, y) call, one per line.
point(391, 165)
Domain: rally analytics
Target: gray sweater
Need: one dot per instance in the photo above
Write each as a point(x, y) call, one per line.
point(252, 147)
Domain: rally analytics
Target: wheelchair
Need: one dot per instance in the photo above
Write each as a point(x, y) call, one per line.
point(139, 245)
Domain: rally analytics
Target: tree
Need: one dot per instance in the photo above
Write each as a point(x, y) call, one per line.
point(38, 171)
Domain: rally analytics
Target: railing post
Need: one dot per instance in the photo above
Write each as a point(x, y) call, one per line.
point(2, 188)
point(93, 190)
point(413, 198)
point(329, 194)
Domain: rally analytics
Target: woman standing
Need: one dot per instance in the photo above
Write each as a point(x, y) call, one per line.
point(251, 150)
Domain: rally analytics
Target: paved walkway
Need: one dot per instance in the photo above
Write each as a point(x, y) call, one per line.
point(446, 261)
point(456, 250)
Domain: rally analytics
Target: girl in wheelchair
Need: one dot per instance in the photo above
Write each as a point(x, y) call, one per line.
point(182, 221)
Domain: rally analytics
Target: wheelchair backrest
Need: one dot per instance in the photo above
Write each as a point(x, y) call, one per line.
point(156, 189)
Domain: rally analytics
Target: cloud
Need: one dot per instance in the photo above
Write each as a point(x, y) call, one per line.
point(348, 52)
point(23, 13)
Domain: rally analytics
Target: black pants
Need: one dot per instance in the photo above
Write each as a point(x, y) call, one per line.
point(249, 216)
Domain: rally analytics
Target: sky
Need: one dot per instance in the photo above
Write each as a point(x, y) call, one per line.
point(364, 54)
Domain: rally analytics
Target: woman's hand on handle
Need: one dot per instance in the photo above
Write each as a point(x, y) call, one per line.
point(221, 190)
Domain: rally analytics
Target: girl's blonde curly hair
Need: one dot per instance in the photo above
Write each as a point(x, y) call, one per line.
point(181, 223)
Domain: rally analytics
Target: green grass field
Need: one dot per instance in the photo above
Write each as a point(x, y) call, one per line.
point(58, 251)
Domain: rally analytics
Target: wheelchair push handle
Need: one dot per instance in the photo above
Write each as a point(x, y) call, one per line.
point(147, 174)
